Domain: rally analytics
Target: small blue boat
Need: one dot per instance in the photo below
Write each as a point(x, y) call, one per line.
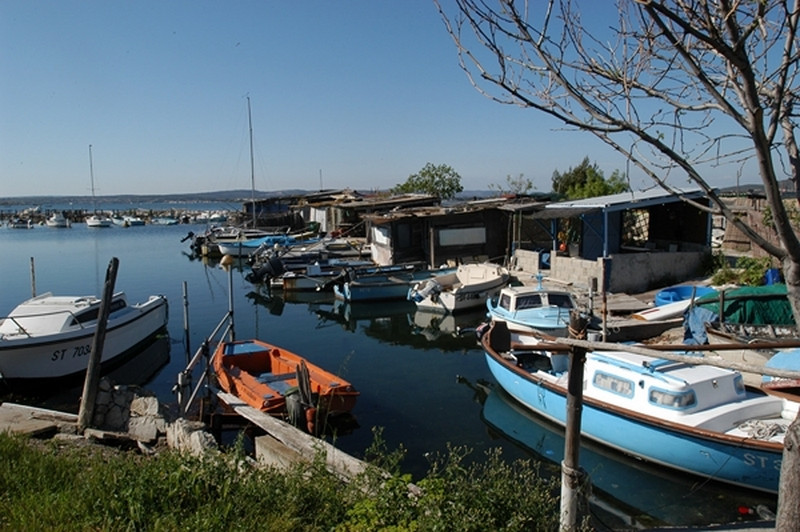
point(530, 309)
point(698, 419)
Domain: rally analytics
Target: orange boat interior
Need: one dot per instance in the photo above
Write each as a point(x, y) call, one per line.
point(262, 374)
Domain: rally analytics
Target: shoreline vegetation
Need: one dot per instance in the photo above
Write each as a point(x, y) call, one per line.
point(65, 485)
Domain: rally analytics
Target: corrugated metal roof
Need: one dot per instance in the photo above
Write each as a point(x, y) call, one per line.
point(617, 202)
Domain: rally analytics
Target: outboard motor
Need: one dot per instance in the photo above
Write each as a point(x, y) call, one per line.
point(430, 288)
point(272, 268)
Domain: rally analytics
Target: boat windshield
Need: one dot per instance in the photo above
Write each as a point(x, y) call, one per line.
point(531, 301)
point(92, 313)
point(560, 300)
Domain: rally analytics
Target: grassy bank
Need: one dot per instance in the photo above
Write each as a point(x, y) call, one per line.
point(55, 485)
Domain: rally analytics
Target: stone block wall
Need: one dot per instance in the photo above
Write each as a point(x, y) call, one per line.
point(628, 272)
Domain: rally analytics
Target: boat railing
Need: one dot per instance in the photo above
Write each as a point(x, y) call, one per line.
point(223, 328)
point(23, 330)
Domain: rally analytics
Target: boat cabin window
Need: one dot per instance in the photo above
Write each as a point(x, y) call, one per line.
point(531, 301)
point(92, 313)
point(613, 384)
point(560, 300)
point(505, 301)
point(679, 400)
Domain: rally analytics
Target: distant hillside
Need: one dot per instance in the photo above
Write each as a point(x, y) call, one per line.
point(230, 196)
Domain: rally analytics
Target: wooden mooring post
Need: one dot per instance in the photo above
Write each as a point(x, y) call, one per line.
point(572, 477)
point(92, 380)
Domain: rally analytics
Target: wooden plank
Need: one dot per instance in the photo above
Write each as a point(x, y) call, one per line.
point(337, 461)
point(21, 419)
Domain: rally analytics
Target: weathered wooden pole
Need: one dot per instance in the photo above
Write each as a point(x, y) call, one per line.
point(92, 379)
point(227, 265)
point(186, 335)
point(33, 278)
point(571, 474)
point(788, 515)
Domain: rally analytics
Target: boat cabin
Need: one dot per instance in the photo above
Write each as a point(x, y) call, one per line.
point(45, 314)
point(672, 391)
point(518, 298)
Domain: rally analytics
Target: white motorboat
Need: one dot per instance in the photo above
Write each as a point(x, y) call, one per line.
point(468, 287)
point(97, 220)
point(50, 337)
point(57, 219)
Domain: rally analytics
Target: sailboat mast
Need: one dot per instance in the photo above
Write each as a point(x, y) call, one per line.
point(91, 177)
point(252, 164)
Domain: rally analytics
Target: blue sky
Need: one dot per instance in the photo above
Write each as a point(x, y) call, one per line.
point(344, 94)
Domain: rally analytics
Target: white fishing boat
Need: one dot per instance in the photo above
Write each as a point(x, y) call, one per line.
point(50, 337)
point(57, 219)
point(468, 287)
point(699, 419)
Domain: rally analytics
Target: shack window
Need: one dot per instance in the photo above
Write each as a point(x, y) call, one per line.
point(462, 237)
point(613, 384)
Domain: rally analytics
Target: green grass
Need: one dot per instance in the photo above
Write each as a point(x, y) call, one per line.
point(53, 485)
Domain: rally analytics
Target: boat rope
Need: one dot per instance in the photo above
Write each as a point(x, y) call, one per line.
point(761, 430)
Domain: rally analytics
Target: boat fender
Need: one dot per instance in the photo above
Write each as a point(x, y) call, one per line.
point(311, 420)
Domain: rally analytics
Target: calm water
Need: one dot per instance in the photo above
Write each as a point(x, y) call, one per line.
point(423, 384)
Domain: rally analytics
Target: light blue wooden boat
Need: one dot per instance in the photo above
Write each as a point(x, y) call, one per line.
point(530, 309)
point(694, 418)
point(636, 491)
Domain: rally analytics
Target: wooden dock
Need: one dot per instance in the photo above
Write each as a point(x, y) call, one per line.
point(32, 421)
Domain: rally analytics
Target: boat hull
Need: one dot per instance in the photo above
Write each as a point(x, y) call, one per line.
point(262, 375)
point(66, 354)
point(739, 461)
point(467, 288)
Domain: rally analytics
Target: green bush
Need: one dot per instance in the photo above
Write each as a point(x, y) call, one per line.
point(69, 486)
point(748, 271)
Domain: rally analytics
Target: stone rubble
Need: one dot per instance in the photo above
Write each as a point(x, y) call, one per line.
point(137, 413)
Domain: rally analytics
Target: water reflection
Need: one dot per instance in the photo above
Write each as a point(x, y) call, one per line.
point(138, 369)
point(631, 491)
point(399, 322)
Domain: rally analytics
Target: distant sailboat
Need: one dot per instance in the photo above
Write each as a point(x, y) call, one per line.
point(95, 220)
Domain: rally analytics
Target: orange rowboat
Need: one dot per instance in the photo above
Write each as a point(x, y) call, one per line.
point(263, 375)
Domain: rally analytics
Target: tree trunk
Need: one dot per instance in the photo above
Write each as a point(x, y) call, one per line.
point(788, 516)
point(791, 275)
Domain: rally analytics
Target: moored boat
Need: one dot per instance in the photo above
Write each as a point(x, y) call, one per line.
point(57, 219)
point(50, 337)
point(467, 287)
point(264, 375)
point(529, 309)
point(383, 283)
point(698, 419)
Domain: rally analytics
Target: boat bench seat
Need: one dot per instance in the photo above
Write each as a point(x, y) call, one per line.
point(268, 378)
